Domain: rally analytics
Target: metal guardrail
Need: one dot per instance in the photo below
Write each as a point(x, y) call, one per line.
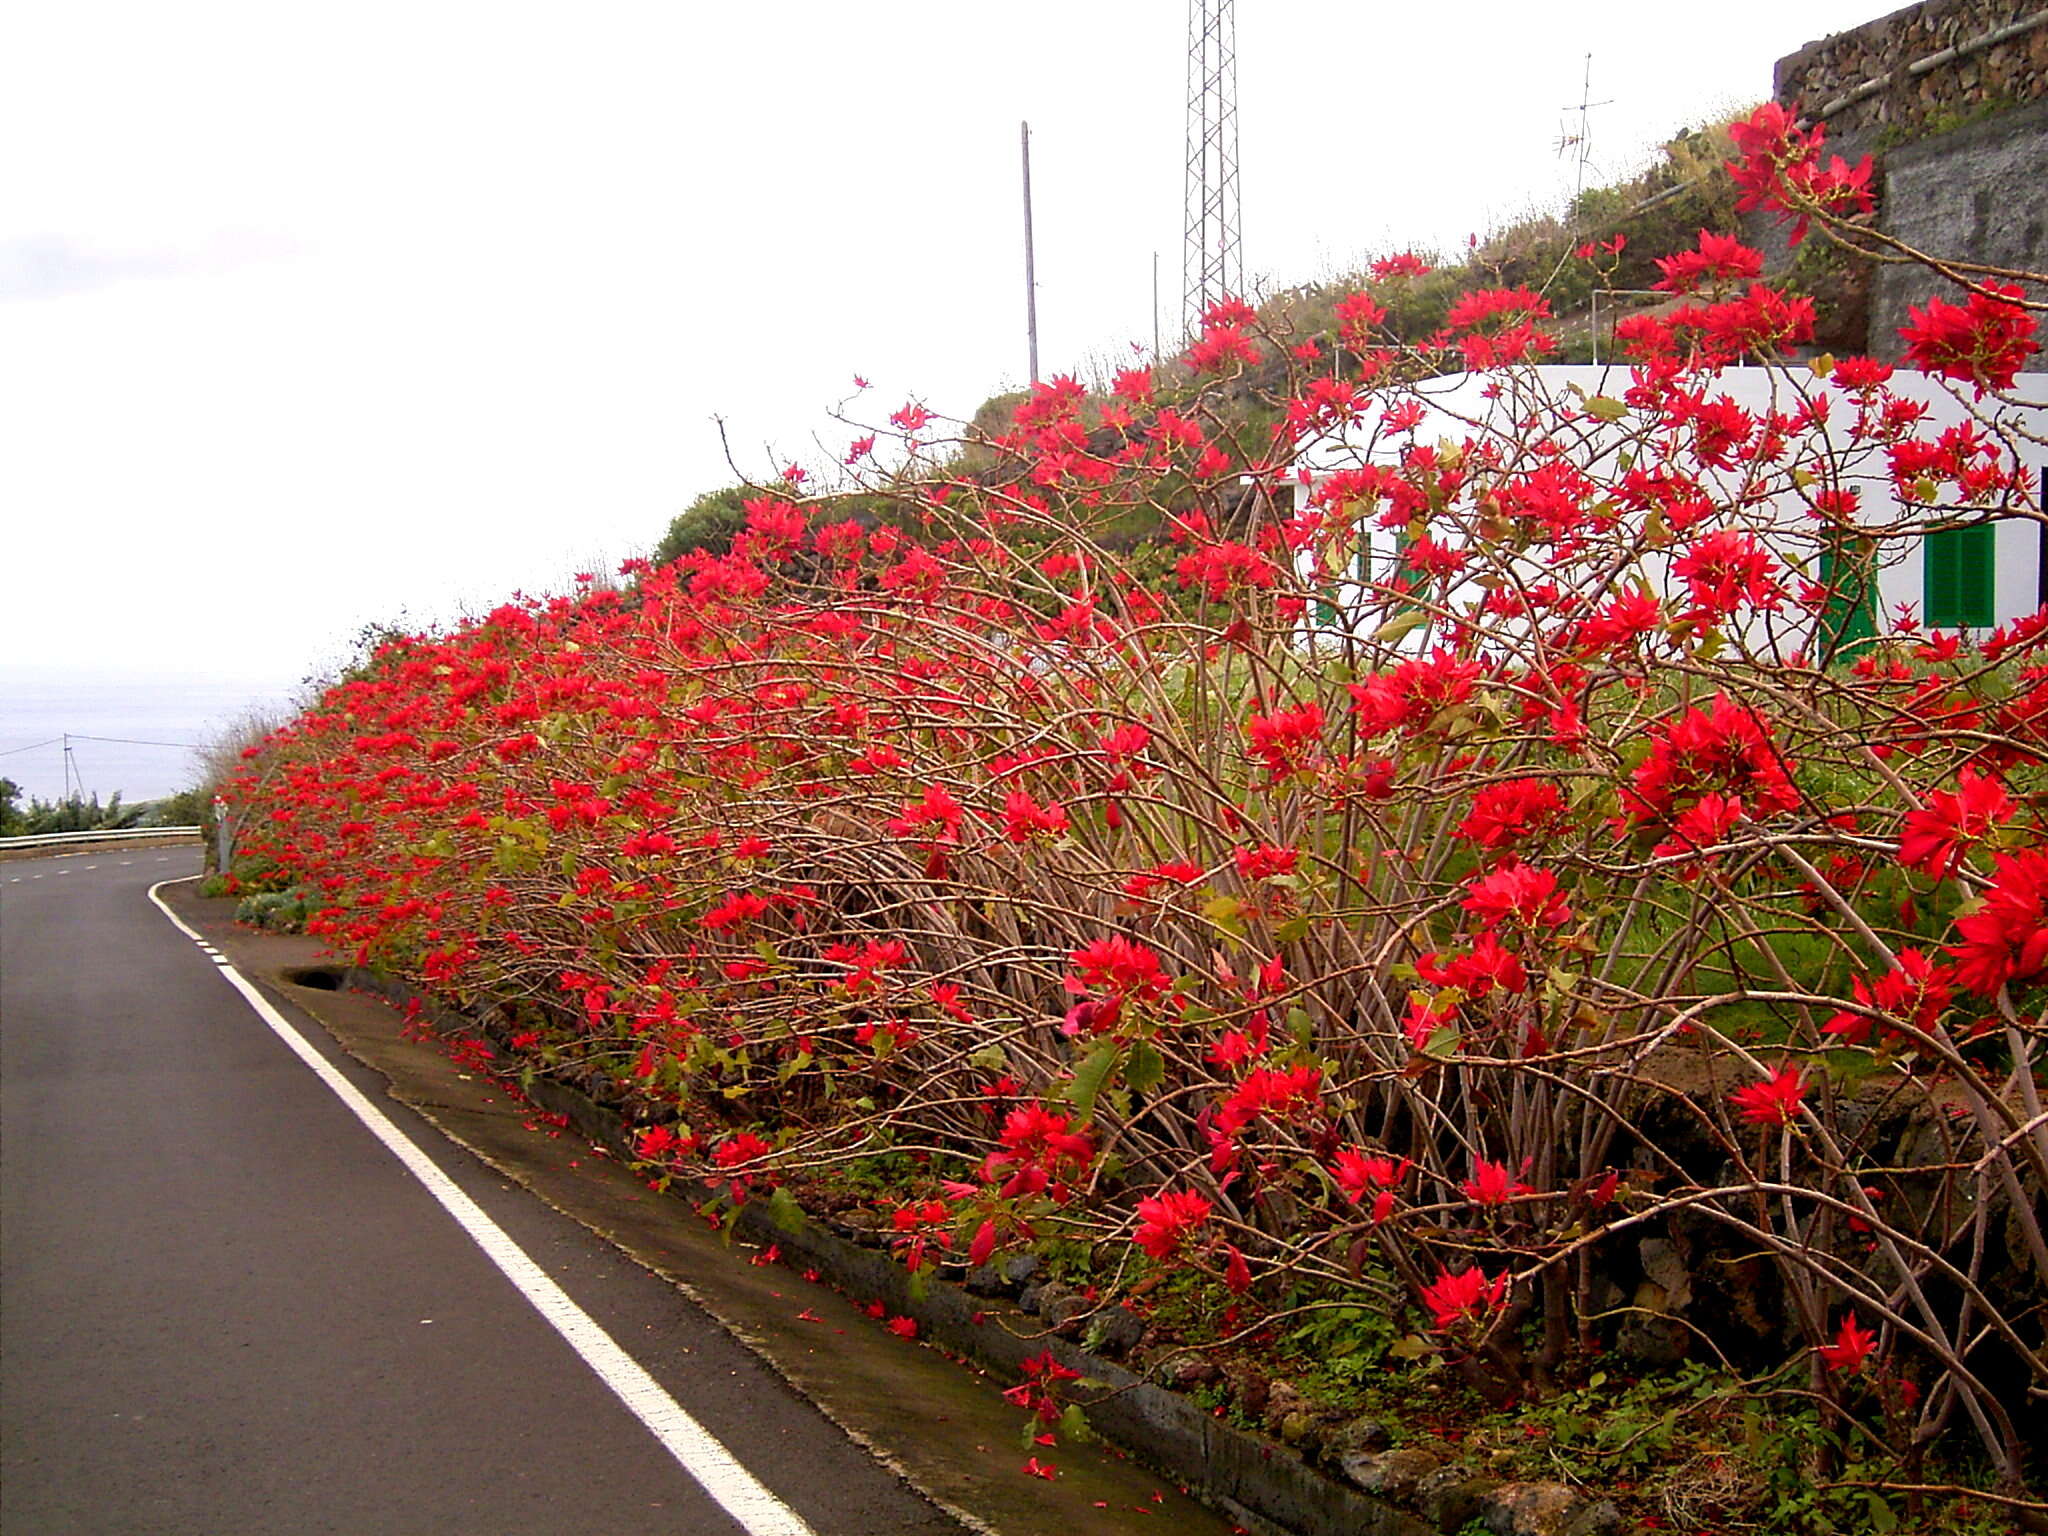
point(118, 835)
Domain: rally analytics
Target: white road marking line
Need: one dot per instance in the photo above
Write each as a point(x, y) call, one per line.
point(696, 1450)
point(92, 866)
point(126, 862)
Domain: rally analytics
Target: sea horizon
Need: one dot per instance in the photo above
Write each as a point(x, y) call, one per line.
point(135, 734)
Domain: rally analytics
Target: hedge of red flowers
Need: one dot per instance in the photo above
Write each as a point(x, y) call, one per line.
point(1433, 932)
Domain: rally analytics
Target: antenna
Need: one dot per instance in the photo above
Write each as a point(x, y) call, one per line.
point(1212, 263)
point(1580, 145)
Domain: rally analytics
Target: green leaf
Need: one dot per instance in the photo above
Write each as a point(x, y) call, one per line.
point(1224, 912)
point(1146, 1068)
point(1410, 1347)
point(1606, 407)
point(1089, 1077)
point(991, 1059)
point(1301, 1026)
point(783, 1210)
point(1401, 624)
point(1074, 1425)
point(1293, 931)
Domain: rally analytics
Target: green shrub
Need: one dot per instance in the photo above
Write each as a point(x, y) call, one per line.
point(708, 523)
point(273, 911)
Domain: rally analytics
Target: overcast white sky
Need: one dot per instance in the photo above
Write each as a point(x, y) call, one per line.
point(313, 315)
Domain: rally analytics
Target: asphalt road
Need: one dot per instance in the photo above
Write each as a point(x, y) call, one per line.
point(226, 1307)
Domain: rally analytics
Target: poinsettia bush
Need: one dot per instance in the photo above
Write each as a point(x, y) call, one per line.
point(1430, 932)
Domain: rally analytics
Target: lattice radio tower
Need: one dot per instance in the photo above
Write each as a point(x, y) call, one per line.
point(1212, 263)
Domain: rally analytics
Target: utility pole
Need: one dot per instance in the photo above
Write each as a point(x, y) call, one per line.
point(1156, 312)
point(1212, 262)
point(1030, 265)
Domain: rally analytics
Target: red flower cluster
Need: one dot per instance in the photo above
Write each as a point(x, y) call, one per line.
point(1918, 989)
point(1168, 1222)
point(1492, 1184)
point(1985, 341)
point(2006, 939)
point(1781, 170)
point(1514, 892)
point(1852, 1345)
point(1039, 1150)
point(1937, 836)
point(1358, 1172)
point(1506, 815)
point(1775, 1101)
point(1269, 1091)
point(1286, 740)
point(1724, 747)
point(1463, 1299)
point(1117, 969)
point(1717, 259)
point(1414, 695)
point(1726, 571)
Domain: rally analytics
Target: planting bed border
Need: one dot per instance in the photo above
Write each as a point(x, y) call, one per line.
point(1264, 1484)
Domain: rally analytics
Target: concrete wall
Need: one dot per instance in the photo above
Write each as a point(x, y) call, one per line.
point(1979, 193)
point(1486, 408)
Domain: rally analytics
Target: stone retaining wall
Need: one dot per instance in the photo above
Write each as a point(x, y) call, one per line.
point(1921, 70)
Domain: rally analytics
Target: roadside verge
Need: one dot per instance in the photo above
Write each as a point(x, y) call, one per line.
point(945, 1429)
point(807, 1300)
